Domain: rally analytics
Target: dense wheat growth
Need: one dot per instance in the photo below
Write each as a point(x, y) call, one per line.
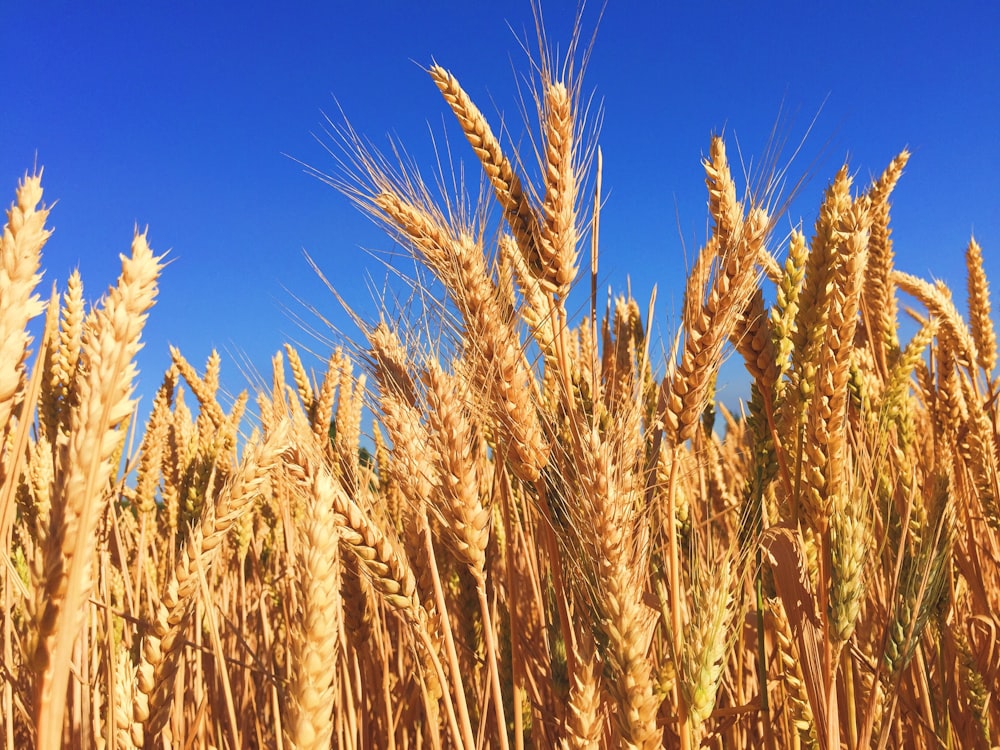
point(551, 536)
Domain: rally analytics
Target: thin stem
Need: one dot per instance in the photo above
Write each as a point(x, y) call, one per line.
point(491, 655)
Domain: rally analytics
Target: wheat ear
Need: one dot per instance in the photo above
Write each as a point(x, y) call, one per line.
point(979, 309)
point(315, 632)
point(81, 487)
point(24, 234)
point(584, 720)
point(878, 300)
point(558, 234)
point(712, 314)
point(59, 391)
point(506, 184)
point(704, 655)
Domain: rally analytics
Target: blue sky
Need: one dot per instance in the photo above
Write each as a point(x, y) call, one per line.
point(183, 117)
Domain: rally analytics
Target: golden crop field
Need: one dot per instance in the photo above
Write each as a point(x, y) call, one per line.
point(552, 536)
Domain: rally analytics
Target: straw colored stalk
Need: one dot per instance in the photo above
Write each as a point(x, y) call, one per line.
point(162, 645)
point(412, 469)
point(791, 675)
point(383, 561)
point(24, 234)
point(85, 468)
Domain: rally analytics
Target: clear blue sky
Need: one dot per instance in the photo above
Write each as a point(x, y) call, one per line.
point(182, 116)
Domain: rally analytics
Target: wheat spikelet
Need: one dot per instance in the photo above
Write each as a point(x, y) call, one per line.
point(323, 404)
point(878, 299)
point(462, 511)
point(975, 692)
point(300, 377)
point(979, 309)
point(850, 542)
point(380, 557)
point(937, 299)
point(975, 442)
point(584, 720)
point(754, 338)
point(704, 656)
point(786, 308)
point(723, 206)
point(894, 401)
point(58, 393)
point(603, 507)
point(153, 447)
point(24, 235)
point(499, 368)
point(456, 257)
point(516, 208)
point(626, 626)
point(557, 238)
point(201, 387)
point(825, 447)
point(347, 438)
point(535, 310)
point(921, 582)
point(813, 308)
point(708, 326)
point(128, 733)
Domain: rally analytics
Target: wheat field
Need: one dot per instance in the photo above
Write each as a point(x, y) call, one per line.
point(553, 533)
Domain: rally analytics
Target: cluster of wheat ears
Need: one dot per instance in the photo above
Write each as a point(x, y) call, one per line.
point(559, 537)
